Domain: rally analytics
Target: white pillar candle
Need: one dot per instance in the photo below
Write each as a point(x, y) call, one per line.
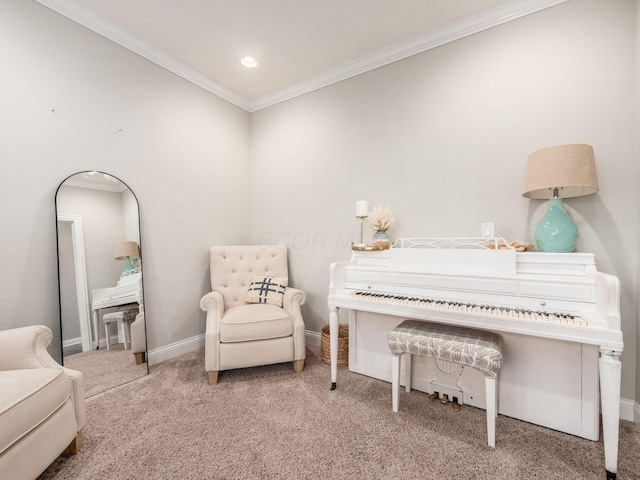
point(362, 208)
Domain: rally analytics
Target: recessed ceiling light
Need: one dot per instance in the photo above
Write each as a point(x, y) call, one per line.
point(249, 62)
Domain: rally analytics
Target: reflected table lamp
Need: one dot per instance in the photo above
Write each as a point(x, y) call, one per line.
point(127, 251)
point(554, 173)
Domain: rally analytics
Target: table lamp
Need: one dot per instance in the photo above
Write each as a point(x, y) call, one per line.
point(563, 171)
point(127, 251)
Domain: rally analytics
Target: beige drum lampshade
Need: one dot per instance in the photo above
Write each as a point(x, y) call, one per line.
point(569, 168)
point(127, 250)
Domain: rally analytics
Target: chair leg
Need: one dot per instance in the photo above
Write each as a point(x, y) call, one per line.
point(74, 446)
point(298, 365)
point(213, 378)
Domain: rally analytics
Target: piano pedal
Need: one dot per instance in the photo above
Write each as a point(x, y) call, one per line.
point(445, 399)
point(456, 406)
point(434, 396)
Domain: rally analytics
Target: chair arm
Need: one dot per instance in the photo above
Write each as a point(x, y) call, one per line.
point(213, 301)
point(293, 298)
point(213, 304)
point(138, 336)
point(26, 347)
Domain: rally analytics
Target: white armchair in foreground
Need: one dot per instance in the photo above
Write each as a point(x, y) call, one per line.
point(42, 406)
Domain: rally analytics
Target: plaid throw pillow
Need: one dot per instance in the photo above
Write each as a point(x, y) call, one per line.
point(267, 290)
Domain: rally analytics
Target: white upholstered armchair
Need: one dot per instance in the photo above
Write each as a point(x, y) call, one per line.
point(42, 407)
point(253, 316)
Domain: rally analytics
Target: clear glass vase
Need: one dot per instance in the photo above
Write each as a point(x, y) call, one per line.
point(381, 240)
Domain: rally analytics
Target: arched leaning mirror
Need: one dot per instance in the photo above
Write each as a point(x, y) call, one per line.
point(100, 280)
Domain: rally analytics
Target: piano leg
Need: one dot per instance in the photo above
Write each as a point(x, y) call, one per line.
point(333, 340)
point(610, 398)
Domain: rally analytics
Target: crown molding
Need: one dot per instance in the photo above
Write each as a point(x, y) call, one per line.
point(114, 33)
point(484, 20)
point(499, 14)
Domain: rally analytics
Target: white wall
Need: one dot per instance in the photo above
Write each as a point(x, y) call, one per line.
point(74, 101)
point(442, 138)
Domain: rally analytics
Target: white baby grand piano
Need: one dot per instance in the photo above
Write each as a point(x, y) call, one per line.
point(128, 290)
point(559, 317)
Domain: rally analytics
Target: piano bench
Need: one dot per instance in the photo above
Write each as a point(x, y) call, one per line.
point(465, 346)
point(126, 317)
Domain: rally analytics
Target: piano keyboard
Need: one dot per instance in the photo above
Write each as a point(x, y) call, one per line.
point(470, 308)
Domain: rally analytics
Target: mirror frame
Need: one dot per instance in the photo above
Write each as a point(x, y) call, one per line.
point(80, 266)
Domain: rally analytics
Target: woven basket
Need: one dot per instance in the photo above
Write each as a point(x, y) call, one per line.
point(343, 345)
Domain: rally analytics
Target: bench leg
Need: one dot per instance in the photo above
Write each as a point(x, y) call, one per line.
point(395, 381)
point(106, 334)
point(492, 410)
point(127, 334)
point(407, 371)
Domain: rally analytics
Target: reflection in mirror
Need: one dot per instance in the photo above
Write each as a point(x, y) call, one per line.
point(100, 281)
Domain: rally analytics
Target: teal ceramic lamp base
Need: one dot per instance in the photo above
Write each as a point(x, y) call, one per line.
point(556, 232)
point(127, 266)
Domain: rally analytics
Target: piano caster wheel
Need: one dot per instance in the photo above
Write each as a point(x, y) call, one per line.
point(333, 385)
point(456, 406)
point(444, 399)
point(434, 395)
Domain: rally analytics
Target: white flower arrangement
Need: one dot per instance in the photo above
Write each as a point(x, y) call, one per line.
point(381, 219)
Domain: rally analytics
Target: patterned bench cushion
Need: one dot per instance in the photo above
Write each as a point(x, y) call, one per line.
point(121, 316)
point(476, 348)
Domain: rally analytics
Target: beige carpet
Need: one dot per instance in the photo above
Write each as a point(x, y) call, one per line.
point(271, 423)
point(104, 369)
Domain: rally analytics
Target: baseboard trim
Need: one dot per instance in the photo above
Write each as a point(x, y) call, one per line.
point(312, 338)
point(629, 410)
point(168, 352)
point(626, 409)
point(72, 342)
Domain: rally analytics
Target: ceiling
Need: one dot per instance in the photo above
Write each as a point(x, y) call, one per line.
point(300, 45)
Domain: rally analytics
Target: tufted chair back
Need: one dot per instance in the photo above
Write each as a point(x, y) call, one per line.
point(233, 268)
